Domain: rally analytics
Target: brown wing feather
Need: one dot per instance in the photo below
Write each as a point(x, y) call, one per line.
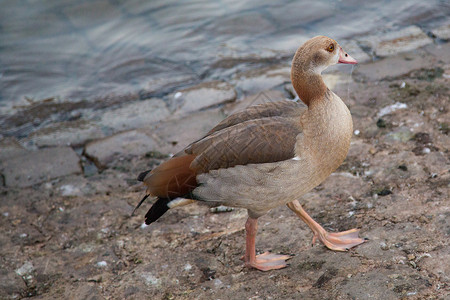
point(270, 109)
point(259, 134)
point(254, 141)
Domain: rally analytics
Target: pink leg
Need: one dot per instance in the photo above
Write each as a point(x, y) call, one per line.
point(265, 261)
point(339, 241)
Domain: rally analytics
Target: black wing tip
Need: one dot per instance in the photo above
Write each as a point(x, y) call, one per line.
point(141, 176)
point(139, 204)
point(157, 210)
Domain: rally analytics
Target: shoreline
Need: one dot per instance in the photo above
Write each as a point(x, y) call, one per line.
point(69, 188)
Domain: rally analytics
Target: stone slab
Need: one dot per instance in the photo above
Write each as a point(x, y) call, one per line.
point(204, 95)
point(391, 67)
point(135, 115)
point(394, 42)
point(65, 134)
point(10, 147)
point(442, 32)
point(39, 166)
point(178, 133)
point(122, 145)
point(254, 81)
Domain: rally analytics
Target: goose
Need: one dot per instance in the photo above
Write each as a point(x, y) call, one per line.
point(266, 155)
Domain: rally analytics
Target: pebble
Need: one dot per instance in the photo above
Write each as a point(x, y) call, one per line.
point(102, 263)
point(384, 246)
point(187, 267)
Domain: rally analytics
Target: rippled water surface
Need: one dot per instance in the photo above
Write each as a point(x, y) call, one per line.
point(76, 50)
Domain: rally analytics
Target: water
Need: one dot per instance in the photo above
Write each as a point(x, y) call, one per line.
point(75, 50)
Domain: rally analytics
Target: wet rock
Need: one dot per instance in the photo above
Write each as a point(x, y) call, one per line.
point(120, 146)
point(394, 42)
point(65, 134)
point(440, 52)
point(442, 32)
point(254, 81)
point(135, 115)
point(10, 147)
point(392, 67)
point(204, 95)
point(179, 133)
point(259, 98)
point(39, 166)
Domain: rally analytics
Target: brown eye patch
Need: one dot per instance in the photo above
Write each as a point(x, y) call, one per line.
point(330, 48)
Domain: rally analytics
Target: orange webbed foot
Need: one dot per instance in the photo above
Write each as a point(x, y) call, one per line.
point(268, 261)
point(339, 241)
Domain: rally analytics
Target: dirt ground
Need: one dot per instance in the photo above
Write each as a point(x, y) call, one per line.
point(394, 185)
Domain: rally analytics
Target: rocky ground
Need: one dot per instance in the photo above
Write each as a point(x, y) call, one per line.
point(69, 188)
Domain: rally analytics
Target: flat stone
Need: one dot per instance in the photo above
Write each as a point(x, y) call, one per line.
point(178, 133)
point(390, 43)
point(10, 147)
point(440, 52)
point(254, 81)
point(135, 115)
point(65, 134)
point(204, 95)
point(442, 32)
point(259, 98)
point(38, 166)
point(122, 145)
point(391, 67)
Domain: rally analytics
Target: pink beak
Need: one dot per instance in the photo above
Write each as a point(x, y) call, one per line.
point(344, 58)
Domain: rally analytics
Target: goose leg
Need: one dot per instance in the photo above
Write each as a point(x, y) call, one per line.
point(339, 241)
point(265, 261)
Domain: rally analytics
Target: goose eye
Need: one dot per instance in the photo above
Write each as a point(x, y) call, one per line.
point(330, 48)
